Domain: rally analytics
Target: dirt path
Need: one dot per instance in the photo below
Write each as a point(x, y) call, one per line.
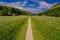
point(29, 35)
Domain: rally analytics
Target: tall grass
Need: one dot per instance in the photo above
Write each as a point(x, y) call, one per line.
point(10, 26)
point(46, 28)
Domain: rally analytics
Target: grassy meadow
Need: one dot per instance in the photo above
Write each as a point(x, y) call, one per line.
point(45, 28)
point(13, 27)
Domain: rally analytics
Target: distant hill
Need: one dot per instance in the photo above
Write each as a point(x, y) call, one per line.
point(9, 11)
point(53, 11)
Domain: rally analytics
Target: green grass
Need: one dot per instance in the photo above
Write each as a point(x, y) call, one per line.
point(46, 28)
point(12, 27)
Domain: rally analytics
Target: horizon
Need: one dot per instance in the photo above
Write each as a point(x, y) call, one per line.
point(34, 6)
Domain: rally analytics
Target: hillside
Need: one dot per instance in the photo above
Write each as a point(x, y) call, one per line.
point(53, 11)
point(9, 11)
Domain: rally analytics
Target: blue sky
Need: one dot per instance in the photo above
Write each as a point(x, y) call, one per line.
point(33, 6)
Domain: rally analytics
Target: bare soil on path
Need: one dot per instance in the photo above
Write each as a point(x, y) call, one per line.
point(29, 35)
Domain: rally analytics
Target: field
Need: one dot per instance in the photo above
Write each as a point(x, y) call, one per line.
point(13, 27)
point(46, 28)
point(43, 27)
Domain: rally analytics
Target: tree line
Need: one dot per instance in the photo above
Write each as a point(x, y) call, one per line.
point(10, 11)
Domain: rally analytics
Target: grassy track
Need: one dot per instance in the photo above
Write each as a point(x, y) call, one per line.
point(12, 27)
point(46, 28)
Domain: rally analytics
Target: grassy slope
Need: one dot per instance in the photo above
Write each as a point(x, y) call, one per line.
point(12, 25)
point(53, 11)
point(56, 6)
point(46, 28)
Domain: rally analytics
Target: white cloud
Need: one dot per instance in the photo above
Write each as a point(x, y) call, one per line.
point(31, 5)
point(14, 4)
point(42, 5)
point(24, 3)
point(20, 5)
point(45, 4)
